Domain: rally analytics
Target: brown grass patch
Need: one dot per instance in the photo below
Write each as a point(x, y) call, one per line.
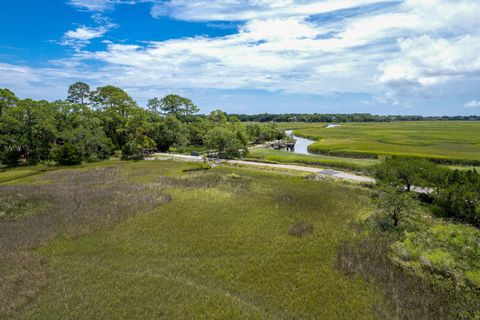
point(300, 229)
point(75, 202)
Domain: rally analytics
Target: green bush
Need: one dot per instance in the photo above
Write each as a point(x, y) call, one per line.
point(68, 154)
point(443, 249)
point(458, 196)
point(438, 261)
point(473, 277)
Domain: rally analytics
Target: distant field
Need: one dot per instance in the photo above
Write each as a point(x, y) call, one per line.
point(311, 160)
point(449, 141)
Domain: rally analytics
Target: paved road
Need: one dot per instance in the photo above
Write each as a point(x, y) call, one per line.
point(322, 172)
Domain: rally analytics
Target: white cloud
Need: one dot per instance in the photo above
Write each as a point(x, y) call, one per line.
point(242, 10)
point(85, 33)
point(391, 52)
point(82, 35)
point(472, 104)
point(270, 54)
point(427, 61)
point(100, 5)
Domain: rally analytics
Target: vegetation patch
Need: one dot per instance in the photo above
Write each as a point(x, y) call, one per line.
point(408, 294)
point(300, 229)
point(202, 168)
point(74, 202)
point(444, 250)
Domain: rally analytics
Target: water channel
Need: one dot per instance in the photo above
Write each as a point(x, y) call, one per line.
point(301, 146)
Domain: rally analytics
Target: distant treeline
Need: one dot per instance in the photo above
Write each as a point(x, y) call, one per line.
point(94, 124)
point(337, 117)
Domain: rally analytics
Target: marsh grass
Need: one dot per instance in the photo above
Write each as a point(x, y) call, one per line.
point(218, 249)
point(73, 202)
point(300, 229)
point(407, 295)
point(211, 244)
point(449, 142)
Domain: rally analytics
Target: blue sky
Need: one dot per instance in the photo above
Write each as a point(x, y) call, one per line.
point(252, 56)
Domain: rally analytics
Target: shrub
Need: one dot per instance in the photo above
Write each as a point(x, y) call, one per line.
point(445, 249)
point(438, 261)
point(68, 154)
point(473, 278)
point(458, 196)
point(10, 156)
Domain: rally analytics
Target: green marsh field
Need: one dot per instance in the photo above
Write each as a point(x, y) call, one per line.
point(176, 245)
point(447, 141)
point(177, 240)
point(276, 156)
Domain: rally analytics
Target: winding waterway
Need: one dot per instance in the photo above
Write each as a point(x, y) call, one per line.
point(301, 146)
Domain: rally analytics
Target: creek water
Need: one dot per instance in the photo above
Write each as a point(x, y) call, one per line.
point(301, 146)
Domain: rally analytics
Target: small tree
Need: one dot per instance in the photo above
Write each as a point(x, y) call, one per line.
point(395, 203)
point(154, 105)
point(404, 171)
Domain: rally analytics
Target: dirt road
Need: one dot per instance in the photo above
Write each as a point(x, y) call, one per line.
point(322, 172)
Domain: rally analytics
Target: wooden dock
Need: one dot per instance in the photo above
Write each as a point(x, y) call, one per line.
point(281, 145)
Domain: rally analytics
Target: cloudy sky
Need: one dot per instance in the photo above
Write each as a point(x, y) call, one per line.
point(252, 56)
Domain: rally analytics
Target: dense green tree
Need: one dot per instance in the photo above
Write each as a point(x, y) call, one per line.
point(175, 105)
point(218, 117)
point(261, 133)
point(404, 171)
point(116, 107)
point(225, 142)
point(7, 100)
point(79, 93)
point(170, 132)
point(36, 131)
point(154, 105)
point(78, 125)
point(111, 97)
point(197, 129)
point(68, 154)
point(136, 145)
point(458, 196)
point(11, 137)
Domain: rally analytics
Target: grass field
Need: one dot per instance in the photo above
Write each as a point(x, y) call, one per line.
point(213, 250)
point(311, 160)
point(170, 240)
point(447, 141)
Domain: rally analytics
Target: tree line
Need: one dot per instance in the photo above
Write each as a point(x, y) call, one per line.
point(91, 125)
point(337, 117)
point(452, 194)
